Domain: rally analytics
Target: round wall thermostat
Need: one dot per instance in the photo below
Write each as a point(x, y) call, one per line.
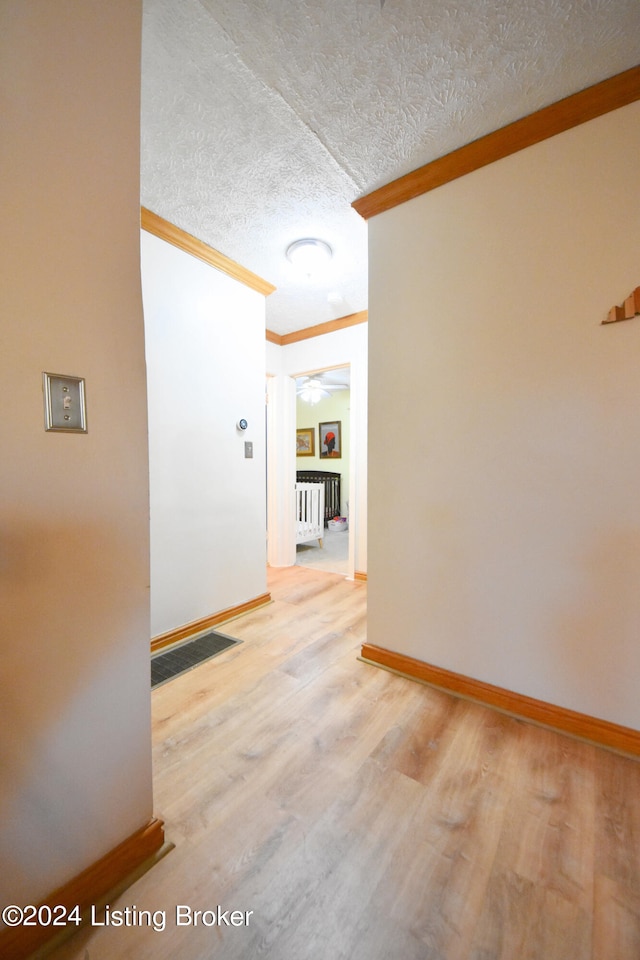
point(242, 424)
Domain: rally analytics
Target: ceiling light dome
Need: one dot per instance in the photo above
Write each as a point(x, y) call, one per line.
point(309, 255)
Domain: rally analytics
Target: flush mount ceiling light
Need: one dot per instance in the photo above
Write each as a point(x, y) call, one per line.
point(309, 255)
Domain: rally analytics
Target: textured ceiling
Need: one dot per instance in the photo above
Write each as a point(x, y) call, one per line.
point(262, 120)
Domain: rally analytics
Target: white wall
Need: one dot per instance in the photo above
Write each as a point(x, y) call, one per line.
point(347, 346)
point(206, 362)
point(508, 548)
point(75, 747)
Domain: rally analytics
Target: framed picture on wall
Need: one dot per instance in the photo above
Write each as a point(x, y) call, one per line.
point(306, 442)
point(330, 440)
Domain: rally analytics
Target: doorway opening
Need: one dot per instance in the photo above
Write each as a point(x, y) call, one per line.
point(323, 459)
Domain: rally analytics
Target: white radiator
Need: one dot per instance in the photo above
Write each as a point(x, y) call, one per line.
point(309, 512)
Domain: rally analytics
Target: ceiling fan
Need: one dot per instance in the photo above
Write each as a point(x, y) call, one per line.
point(314, 388)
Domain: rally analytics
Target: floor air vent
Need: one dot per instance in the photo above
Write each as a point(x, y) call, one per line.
point(166, 666)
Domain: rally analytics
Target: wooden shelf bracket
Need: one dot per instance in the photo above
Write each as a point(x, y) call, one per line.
point(630, 308)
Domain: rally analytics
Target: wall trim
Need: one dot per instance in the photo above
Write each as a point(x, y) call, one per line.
point(159, 227)
point(350, 320)
point(601, 732)
point(197, 626)
point(117, 869)
point(594, 101)
point(360, 575)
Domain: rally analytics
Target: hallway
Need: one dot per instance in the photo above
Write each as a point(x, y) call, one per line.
point(361, 815)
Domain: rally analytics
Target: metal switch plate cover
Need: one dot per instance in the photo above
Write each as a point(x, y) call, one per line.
point(64, 403)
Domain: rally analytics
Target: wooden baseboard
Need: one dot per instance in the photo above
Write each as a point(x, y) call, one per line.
point(359, 575)
point(88, 888)
point(601, 732)
point(213, 620)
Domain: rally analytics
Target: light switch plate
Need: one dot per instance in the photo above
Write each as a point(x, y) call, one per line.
point(64, 403)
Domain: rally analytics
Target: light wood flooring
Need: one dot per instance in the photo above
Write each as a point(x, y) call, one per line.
point(361, 815)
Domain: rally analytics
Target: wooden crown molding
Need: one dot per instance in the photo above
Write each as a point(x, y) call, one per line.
point(602, 732)
point(309, 332)
point(115, 871)
point(617, 91)
point(159, 227)
point(197, 626)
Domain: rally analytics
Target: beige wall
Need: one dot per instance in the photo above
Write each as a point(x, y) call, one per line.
point(74, 671)
point(507, 547)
